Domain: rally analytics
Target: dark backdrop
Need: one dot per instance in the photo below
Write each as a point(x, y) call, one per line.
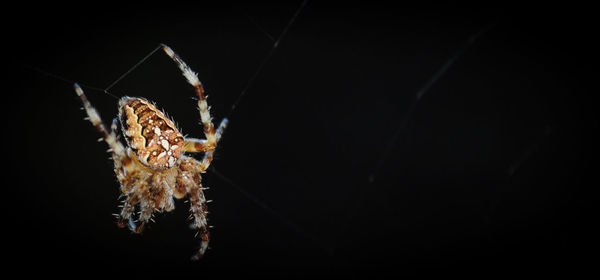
point(331, 164)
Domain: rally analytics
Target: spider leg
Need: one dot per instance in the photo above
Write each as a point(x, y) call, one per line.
point(199, 212)
point(162, 190)
point(124, 165)
point(125, 217)
point(168, 202)
point(194, 145)
point(208, 156)
point(110, 137)
point(192, 78)
point(189, 181)
point(147, 206)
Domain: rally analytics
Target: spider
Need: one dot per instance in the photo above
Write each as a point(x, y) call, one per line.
point(153, 167)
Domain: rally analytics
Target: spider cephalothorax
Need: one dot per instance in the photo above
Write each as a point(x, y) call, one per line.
point(153, 168)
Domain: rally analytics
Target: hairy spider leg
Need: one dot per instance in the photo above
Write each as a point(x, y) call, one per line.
point(199, 212)
point(195, 145)
point(109, 137)
point(197, 199)
point(208, 156)
point(190, 166)
point(191, 145)
point(128, 208)
point(190, 180)
point(157, 197)
point(123, 162)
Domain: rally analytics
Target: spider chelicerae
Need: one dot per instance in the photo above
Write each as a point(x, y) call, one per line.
point(153, 168)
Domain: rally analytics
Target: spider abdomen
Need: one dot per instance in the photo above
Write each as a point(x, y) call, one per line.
point(152, 136)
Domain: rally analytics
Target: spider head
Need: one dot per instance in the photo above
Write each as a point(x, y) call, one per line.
point(152, 136)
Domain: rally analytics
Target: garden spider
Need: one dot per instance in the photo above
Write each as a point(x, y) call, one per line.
point(153, 169)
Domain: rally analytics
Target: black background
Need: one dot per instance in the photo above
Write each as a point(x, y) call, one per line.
point(487, 173)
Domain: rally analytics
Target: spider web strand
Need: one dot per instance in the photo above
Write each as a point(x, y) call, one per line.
point(422, 91)
point(133, 67)
point(285, 221)
point(267, 57)
point(69, 81)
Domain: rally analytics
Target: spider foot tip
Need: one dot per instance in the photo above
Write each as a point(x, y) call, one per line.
point(167, 50)
point(78, 89)
point(196, 257)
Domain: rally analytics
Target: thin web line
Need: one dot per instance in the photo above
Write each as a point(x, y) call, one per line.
point(105, 90)
point(69, 81)
point(287, 222)
point(266, 59)
point(422, 91)
point(259, 27)
point(133, 67)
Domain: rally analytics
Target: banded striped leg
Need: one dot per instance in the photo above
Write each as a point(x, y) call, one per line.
point(147, 205)
point(110, 138)
point(196, 196)
point(190, 181)
point(208, 156)
point(125, 217)
point(198, 201)
point(192, 78)
point(157, 197)
point(199, 211)
point(123, 163)
point(193, 145)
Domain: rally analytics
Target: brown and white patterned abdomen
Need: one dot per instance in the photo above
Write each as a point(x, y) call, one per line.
point(151, 135)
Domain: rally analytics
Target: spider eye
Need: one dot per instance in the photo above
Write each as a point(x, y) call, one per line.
point(150, 134)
